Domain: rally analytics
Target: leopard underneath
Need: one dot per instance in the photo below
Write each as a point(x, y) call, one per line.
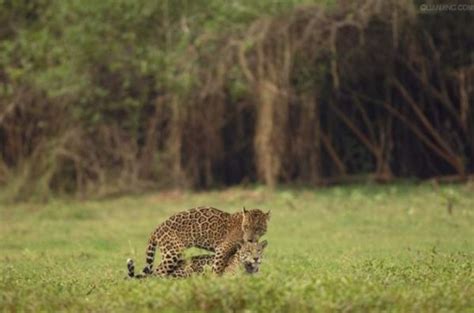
point(249, 256)
point(206, 228)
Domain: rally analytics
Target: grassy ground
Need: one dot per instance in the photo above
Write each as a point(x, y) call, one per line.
point(362, 248)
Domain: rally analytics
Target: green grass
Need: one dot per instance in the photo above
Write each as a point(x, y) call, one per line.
point(351, 249)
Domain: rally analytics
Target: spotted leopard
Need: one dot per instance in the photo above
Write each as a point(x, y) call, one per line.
point(206, 228)
point(248, 256)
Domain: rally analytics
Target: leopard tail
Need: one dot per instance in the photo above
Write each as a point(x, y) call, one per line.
point(150, 254)
point(130, 268)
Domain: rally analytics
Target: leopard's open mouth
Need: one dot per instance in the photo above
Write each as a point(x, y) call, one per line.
point(251, 268)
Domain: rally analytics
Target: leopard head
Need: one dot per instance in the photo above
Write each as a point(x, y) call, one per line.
point(254, 224)
point(250, 255)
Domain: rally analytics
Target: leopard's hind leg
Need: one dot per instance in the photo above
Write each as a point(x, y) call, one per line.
point(171, 249)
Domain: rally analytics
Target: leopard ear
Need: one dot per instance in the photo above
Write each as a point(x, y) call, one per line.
point(268, 214)
point(244, 210)
point(263, 244)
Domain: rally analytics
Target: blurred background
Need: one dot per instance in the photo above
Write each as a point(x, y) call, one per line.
point(105, 97)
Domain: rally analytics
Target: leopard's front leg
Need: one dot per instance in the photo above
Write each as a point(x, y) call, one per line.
point(222, 256)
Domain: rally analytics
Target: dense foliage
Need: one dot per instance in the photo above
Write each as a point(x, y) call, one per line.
point(105, 96)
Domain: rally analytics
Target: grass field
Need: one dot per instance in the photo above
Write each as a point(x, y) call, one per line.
point(348, 249)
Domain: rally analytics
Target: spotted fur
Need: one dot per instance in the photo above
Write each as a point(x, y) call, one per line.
point(206, 228)
point(248, 256)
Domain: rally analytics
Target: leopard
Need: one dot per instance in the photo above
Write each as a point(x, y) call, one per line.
point(249, 256)
point(206, 228)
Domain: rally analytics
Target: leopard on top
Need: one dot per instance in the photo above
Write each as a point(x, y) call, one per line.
point(206, 228)
point(249, 256)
